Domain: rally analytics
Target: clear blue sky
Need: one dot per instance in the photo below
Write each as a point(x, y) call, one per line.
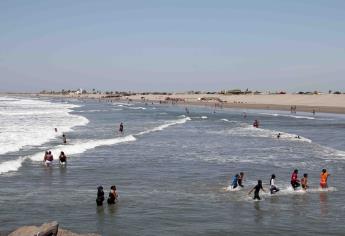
point(174, 45)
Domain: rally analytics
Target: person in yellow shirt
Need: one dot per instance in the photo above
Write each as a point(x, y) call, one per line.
point(323, 178)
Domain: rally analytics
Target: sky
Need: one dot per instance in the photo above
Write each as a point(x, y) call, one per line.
point(172, 45)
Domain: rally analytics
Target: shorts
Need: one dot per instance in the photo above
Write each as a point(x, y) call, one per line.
point(323, 185)
point(48, 163)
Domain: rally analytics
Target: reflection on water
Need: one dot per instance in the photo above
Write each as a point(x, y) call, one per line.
point(323, 203)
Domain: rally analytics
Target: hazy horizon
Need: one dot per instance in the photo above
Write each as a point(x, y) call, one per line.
point(172, 46)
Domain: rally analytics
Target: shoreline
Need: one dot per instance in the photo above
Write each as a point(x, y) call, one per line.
point(325, 103)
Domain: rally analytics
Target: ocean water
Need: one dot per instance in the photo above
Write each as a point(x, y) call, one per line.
point(172, 170)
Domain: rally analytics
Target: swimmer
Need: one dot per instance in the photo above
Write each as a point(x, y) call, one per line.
point(257, 189)
point(64, 140)
point(294, 179)
point(240, 179)
point(121, 128)
point(323, 178)
point(304, 182)
point(256, 124)
point(55, 129)
point(63, 158)
point(278, 135)
point(234, 183)
point(273, 187)
point(100, 196)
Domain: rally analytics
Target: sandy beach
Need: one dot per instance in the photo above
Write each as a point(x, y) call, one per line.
point(325, 103)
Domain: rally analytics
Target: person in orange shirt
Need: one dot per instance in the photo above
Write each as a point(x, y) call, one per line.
point(323, 178)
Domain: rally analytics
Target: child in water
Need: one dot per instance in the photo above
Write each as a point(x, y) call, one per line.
point(240, 179)
point(257, 189)
point(273, 187)
point(304, 181)
point(234, 183)
point(294, 180)
point(323, 178)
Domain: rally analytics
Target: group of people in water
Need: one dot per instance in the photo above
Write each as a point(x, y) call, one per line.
point(112, 198)
point(49, 158)
point(237, 180)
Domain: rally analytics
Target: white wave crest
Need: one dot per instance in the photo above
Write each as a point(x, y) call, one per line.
point(248, 130)
point(82, 146)
point(164, 126)
point(230, 121)
point(11, 165)
point(25, 122)
point(72, 149)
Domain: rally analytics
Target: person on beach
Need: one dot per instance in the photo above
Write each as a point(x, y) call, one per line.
point(63, 158)
point(256, 124)
point(273, 187)
point(121, 128)
point(304, 181)
point(112, 195)
point(313, 112)
point(294, 180)
point(240, 179)
point(234, 182)
point(49, 159)
point(323, 178)
point(100, 196)
point(64, 139)
point(257, 189)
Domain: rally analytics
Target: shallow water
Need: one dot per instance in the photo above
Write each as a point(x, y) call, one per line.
point(172, 170)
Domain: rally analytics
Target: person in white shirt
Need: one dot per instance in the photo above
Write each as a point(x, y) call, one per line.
point(273, 187)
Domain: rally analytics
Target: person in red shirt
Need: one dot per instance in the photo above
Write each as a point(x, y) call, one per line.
point(294, 179)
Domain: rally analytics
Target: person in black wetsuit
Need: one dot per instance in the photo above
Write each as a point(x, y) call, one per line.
point(100, 196)
point(121, 128)
point(257, 189)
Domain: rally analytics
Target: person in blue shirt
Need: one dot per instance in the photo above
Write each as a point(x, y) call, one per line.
point(234, 183)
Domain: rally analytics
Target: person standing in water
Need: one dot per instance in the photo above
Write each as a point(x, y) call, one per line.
point(63, 158)
point(257, 189)
point(323, 178)
point(100, 196)
point(278, 135)
point(64, 139)
point(273, 187)
point(294, 180)
point(49, 159)
point(112, 195)
point(121, 128)
point(304, 181)
point(240, 179)
point(256, 124)
point(234, 183)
